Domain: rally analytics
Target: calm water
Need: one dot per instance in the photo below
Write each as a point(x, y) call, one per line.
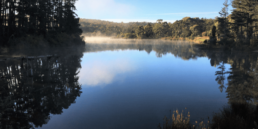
point(125, 85)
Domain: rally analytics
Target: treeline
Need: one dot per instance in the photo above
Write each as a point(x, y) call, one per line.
point(99, 27)
point(37, 17)
point(187, 27)
point(235, 29)
point(239, 27)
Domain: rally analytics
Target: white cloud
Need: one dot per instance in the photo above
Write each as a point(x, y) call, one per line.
point(135, 20)
point(103, 72)
point(103, 7)
point(187, 13)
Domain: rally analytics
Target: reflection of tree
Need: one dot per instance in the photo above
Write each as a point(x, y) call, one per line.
point(221, 76)
point(183, 50)
point(242, 78)
point(242, 89)
point(239, 86)
point(242, 86)
point(33, 88)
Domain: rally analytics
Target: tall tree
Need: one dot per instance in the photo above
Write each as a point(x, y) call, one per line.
point(223, 21)
point(21, 17)
point(245, 14)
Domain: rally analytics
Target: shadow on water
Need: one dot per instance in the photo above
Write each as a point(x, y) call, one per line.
point(35, 86)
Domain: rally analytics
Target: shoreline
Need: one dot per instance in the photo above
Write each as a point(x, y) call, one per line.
point(40, 41)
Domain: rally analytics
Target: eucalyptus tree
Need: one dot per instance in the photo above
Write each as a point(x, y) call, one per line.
point(140, 32)
point(148, 30)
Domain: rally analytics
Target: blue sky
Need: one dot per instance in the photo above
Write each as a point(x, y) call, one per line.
point(147, 10)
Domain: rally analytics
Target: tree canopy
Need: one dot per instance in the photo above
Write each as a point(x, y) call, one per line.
point(21, 17)
point(187, 27)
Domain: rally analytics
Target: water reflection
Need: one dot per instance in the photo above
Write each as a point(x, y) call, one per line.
point(242, 76)
point(33, 87)
point(101, 72)
point(185, 50)
point(240, 81)
point(221, 76)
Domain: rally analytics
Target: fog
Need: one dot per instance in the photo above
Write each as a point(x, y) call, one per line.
point(109, 40)
point(113, 40)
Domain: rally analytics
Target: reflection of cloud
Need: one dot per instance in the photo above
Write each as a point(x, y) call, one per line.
point(100, 72)
point(103, 7)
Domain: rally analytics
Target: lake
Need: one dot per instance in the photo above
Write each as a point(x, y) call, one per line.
point(122, 84)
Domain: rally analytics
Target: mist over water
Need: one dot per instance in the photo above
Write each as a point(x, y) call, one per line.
point(114, 40)
point(107, 40)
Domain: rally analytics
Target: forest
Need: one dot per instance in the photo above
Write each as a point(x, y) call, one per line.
point(187, 27)
point(236, 29)
point(33, 20)
point(54, 22)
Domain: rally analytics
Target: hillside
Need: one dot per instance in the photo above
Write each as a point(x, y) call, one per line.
point(186, 28)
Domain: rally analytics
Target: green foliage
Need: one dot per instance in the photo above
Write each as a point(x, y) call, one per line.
point(187, 27)
point(186, 33)
point(158, 30)
point(37, 17)
point(128, 35)
point(196, 30)
point(244, 18)
point(107, 28)
point(178, 121)
point(140, 32)
point(148, 31)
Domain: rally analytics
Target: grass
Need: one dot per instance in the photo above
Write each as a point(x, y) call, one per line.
point(201, 39)
point(182, 121)
point(195, 40)
point(241, 116)
point(236, 116)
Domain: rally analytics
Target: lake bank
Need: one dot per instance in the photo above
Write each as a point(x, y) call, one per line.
point(198, 40)
point(205, 43)
point(49, 40)
point(42, 44)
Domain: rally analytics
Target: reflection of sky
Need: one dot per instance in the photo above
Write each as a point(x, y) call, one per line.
point(98, 71)
point(149, 89)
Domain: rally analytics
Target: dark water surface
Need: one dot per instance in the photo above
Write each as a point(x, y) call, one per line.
point(127, 85)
